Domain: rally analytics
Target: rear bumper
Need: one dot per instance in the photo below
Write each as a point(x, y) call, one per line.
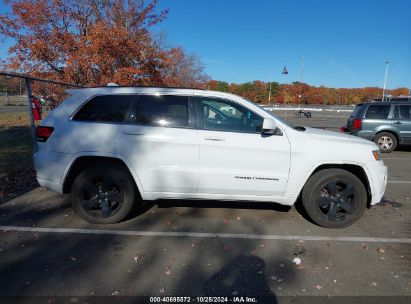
point(377, 175)
point(50, 185)
point(50, 167)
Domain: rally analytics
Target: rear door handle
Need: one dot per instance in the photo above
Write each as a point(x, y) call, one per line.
point(398, 123)
point(133, 133)
point(214, 138)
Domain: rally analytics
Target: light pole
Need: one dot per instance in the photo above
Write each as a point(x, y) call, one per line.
point(301, 81)
point(285, 72)
point(385, 79)
point(269, 93)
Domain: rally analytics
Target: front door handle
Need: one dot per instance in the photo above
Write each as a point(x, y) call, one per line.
point(398, 123)
point(214, 138)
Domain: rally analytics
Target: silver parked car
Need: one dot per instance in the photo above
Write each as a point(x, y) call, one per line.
point(388, 124)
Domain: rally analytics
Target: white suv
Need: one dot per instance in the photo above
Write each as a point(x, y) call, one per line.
point(113, 147)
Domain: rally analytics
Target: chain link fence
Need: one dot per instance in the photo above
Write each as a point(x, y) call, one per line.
point(24, 102)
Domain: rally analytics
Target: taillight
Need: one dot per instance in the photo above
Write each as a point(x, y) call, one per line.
point(43, 133)
point(357, 124)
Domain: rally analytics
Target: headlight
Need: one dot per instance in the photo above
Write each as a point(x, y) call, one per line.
point(377, 154)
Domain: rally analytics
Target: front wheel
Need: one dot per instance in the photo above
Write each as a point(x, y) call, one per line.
point(334, 198)
point(103, 195)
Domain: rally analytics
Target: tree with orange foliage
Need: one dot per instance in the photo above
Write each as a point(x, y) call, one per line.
point(93, 42)
point(183, 70)
point(257, 91)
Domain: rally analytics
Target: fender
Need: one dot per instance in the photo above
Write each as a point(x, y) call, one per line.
point(133, 173)
point(386, 128)
point(100, 154)
point(295, 190)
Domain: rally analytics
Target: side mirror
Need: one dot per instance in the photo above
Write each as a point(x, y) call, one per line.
point(269, 126)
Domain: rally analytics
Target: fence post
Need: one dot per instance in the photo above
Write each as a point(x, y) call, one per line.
point(32, 126)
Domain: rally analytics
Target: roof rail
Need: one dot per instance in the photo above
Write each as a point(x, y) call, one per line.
point(148, 87)
point(393, 99)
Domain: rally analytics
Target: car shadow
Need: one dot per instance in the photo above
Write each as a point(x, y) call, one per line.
point(301, 210)
point(404, 148)
point(168, 203)
point(143, 208)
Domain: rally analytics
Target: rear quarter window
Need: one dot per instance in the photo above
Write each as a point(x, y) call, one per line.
point(378, 111)
point(357, 111)
point(105, 108)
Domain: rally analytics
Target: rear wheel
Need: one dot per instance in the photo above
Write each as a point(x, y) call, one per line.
point(103, 195)
point(334, 198)
point(387, 142)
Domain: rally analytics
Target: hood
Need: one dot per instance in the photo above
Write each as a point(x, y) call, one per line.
point(337, 136)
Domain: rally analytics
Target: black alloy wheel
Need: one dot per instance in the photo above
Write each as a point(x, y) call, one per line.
point(334, 198)
point(335, 201)
point(103, 195)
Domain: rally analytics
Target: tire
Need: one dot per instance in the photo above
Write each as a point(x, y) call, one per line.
point(103, 194)
point(334, 198)
point(387, 142)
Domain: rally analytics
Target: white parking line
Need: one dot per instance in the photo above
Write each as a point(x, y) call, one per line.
point(399, 182)
point(204, 235)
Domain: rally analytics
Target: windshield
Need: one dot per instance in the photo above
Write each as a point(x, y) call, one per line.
point(273, 115)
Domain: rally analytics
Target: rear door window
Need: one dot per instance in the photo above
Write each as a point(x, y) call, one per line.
point(161, 110)
point(405, 112)
point(105, 108)
point(378, 112)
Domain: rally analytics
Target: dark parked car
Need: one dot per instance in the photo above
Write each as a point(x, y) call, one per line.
point(388, 124)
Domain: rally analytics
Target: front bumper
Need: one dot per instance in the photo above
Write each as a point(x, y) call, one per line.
point(377, 176)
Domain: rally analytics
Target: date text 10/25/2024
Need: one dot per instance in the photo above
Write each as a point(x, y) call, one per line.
point(234, 299)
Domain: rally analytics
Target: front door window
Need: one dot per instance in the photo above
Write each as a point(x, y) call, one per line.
point(224, 115)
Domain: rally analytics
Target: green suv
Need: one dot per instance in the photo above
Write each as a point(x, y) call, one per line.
point(388, 124)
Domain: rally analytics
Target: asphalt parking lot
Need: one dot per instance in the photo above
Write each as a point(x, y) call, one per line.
point(198, 248)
